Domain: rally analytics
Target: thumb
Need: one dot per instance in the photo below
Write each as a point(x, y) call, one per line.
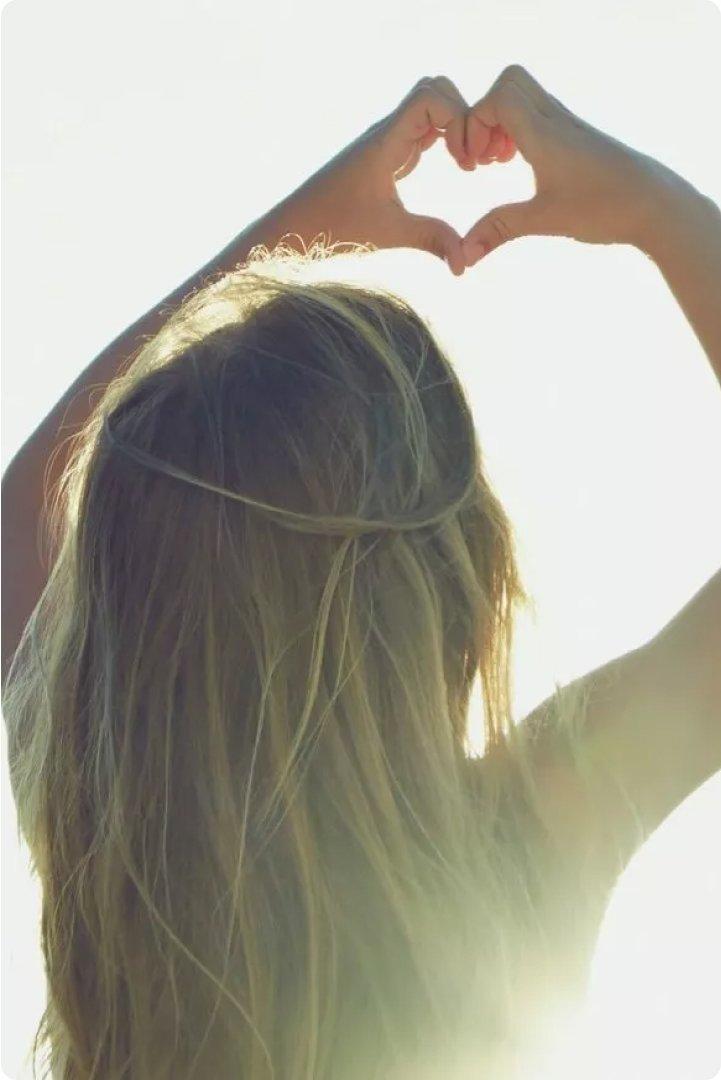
point(438, 238)
point(497, 227)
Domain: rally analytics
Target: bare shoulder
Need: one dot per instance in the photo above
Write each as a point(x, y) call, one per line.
point(640, 734)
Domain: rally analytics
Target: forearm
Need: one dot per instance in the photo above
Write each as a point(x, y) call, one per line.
point(686, 247)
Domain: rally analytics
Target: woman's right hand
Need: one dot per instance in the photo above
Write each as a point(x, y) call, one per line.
point(589, 186)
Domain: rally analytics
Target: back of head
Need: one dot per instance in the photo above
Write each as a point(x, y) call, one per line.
point(238, 717)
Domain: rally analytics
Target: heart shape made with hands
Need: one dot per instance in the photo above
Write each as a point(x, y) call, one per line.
point(435, 109)
point(453, 198)
point(356, 196)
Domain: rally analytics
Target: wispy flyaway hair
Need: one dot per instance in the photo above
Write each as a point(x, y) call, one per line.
point(238, 717)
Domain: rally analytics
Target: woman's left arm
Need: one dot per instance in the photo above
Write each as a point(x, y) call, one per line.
point(352, 199)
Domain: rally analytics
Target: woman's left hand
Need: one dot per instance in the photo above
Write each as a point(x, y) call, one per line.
point(354, 198)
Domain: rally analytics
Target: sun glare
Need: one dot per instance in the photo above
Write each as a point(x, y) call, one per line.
point(597, 413)
point(654, 1005)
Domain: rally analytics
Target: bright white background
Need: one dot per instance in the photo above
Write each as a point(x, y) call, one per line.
point(139, 138)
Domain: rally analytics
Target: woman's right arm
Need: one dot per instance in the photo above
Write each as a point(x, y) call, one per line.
point(593, 188)
point(652, 730)
point(686, 247)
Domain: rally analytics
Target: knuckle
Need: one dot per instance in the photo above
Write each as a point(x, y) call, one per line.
point(512, 72)
point(423, 91)
point(439, 88)
point(501, 228)
point(420, 88)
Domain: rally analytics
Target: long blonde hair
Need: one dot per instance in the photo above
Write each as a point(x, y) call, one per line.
point(238, 715)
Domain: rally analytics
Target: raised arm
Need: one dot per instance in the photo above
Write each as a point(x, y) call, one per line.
point(652, 730)
point(351, 200)
point(592, 188)
point(687, 251)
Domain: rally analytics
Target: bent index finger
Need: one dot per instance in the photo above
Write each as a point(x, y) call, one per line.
point(510, 105)
point(433, 104)
point(478, 137)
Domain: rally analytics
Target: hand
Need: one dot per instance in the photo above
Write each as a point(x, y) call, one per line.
point(589, 186)
point(354, 197)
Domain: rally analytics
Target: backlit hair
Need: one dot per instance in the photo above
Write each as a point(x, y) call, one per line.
point(238, 717)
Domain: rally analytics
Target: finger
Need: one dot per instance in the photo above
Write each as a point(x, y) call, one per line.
point(514, 102)
point(478, 136)
point(422, 145)
point(455, 133)
point(433, 103)
point(502, 224)
point(455, 139)
point(509, 148)
point(409, 165)
point(439, 239)
point(428, 139)
point(496, 145)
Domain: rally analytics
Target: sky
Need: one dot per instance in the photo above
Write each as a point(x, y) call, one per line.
point(139, 139)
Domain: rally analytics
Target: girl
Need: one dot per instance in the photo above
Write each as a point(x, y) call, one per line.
point(237, 704)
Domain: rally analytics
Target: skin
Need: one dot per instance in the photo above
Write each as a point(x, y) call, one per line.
point(654, 714)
